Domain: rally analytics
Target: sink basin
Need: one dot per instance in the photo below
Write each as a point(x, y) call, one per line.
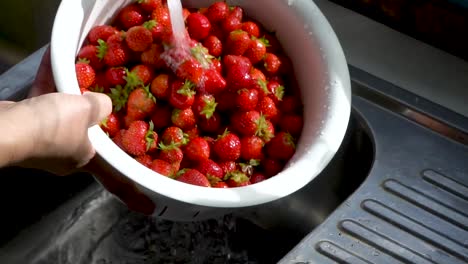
point(79, 222)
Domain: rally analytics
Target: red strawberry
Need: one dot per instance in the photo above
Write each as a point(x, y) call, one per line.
point(290, 105)
point(198, 26)
point(257, 75)
point(251, 148)
point(101, 84)
point(210, 125)
point(182, 94)
point(246, 99)
point(220, 184)
point(248, 123)
point(233, 21)
point(145, 160)
point(185, 14)
point(185, 119)
point(216, 64)
point(117, 139)
point(257, 177)
point(161, 116)
point(174, 135)
point(237, 179)
point(225, 101)
point(90, 52)
point(271, 63)
point(116, 54)
point(237, 71)
point(204, 105)
point(152, 56)
point(227, 147)
point(252, 28)
point(141, 99)
point(85, 74)
point(162, 167)
point(214, 82)
point(139, 38)
point(214, 45)
point(139, 138)
point(116, 75)
point(271, 167)
point(268, 133)
point(160, 86)
point(191, 69)
point(156, 29)
point(143, 72)
point(163, 19)
point(210, 169)
point(150, 5)
point(281, 147)
point(276, 91)
point(256, 50)
point(192, 133)
point(130, 16)
point(267, 107)
point(111, 125)
point(261, 86)
point(102, 32)
point(197, 149)
point(237, 42)
point(228, 166)
point(172, 154)
point(193, 177)
point(217, 12)
point(292, 124)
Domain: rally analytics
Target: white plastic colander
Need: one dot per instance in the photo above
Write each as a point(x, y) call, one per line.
point(320, 68)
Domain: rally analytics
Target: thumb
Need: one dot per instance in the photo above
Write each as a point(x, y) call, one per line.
point(100, 107)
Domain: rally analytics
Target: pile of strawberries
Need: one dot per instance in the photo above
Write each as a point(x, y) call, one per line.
point(225, 111)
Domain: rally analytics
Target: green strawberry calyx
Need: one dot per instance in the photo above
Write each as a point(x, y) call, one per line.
point(201, 54)
point(119, 97)
point(279, 92)
point(149, 94)
point(263, 130)
point(132, 79)
point(289, 140)
point(213, 179)
point(166, 147)
point(150, 137)
point(101, 49)
point(150, 24)
point(263, 40)
point(209, 108)
point(263, 86)
point(187, 89)
point(248, 168)
point(83, 60)
point(225, 133)
point(236, 176)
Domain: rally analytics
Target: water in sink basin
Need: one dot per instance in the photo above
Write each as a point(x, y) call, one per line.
point(95, 228)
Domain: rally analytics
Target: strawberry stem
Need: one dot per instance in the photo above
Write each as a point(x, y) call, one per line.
point(101, 49)
point(150, 24)
point(187, 89)
point(209, 108)
point(263, 86)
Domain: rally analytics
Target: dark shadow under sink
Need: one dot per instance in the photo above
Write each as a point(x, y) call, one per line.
point(79, 222)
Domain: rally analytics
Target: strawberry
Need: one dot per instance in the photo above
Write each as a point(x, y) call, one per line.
point(248, 123)
point(271, 167)
point(290, 105)
point(111, 124)
point(268, 133)
point(141, 99)
point(152, 56)
point(217, 12)
point(197, 149)
point(237, 42)
point(227, 147)
point(143, 72)
point(171, 154)
point(237, 179)
point(114, 54)
point(210, 169)
point(237, 71)
point(160, 86)
point(214, 45)
point(185, 14)
point(162, 167)
point(267, 107)
point(216, 65)
point(101, 84)
point(198, 26)
point(257, 177)
point(194, 177)
point(139, 38)
point(228, 166)
point(145, 160)
point(249, 167)
point(276, 91)
point(139, 138)
point(116, 75)
point(210, 125)
point(85, 74)
point(182, 94)
point(220, 184)
point(156, 29)
point(90, 52)
point(185, 119)
point(246, 99)
point(100, 32)
point(233, 21)
point(130, 16)
point(271, 63)
point(161, 116)
point(204, 105)
point(257, 75)
point(214, 82)
point(292, 124)
point(256, 50)
point(274, 46)
point(163, 20)
point(251, 148)
point(225, 101)
point(117, 139)
point(174, 135)
point(281, 147)
point(262, 87)
point(252, 28)
point(191, 69)
point(192, 133)
point(150, 5)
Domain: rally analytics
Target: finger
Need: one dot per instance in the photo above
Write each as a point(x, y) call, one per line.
point(44, 82)
point(101, 107)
